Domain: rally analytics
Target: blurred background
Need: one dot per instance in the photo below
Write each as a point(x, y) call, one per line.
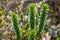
point(20, 6)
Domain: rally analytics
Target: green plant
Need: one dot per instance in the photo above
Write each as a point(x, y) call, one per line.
point(31, 20)
point(15, 23)
point(37, 17)
point(31, 15)
point(58, 38)
point(42, 18)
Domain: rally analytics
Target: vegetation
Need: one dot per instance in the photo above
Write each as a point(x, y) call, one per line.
point(58, 38)
point(32, 21)
point(16, 25)
point(29, 20)
point(42, 17)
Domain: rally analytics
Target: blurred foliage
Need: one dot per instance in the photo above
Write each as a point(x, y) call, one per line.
point(58, 38)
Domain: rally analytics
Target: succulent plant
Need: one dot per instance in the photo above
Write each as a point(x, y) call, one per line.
point(16, 25)
point(31, 20)
point(42, 18)
point(31, 15)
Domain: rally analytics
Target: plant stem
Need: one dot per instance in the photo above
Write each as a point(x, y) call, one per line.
point(15, 23)
point(43, 14)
